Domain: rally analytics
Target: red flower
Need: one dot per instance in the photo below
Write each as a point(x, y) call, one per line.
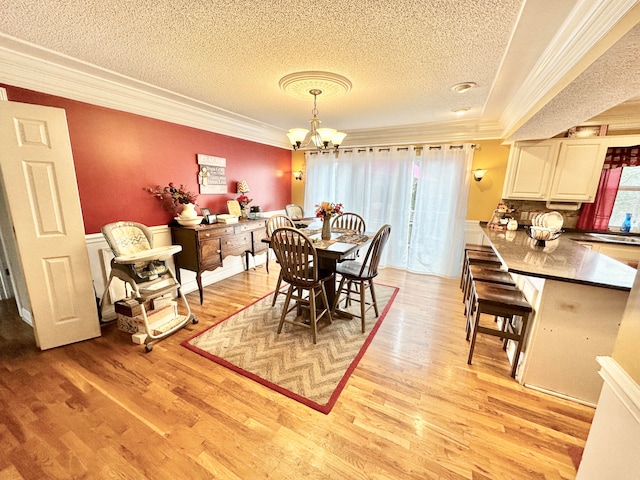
point(243, 200)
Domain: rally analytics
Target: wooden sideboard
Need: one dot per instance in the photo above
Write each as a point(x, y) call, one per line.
point(205, 246)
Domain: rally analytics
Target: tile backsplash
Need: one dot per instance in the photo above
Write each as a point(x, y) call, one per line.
point(525, 210)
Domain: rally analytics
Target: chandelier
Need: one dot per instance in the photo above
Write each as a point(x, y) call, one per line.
point(319, 137)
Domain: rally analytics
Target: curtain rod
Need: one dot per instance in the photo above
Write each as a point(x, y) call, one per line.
point(474, 146)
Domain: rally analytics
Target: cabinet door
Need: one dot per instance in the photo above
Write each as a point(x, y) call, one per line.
point(187, 258)
point(256, 237)
point(623, 253)
point(529, 170)
point(578, 170)
point(210, 253)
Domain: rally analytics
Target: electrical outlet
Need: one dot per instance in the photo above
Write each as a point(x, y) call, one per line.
point(524, 216)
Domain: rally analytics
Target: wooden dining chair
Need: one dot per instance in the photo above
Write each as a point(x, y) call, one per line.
point(275, 222)
point(358, 277)
point(350, 221)
point(299, 266)
point(294, 212)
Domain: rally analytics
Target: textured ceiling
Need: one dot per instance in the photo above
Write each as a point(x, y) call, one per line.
point(401, 57)
point(611, 80)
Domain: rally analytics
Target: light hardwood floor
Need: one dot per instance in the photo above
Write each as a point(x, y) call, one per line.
point(413, 408)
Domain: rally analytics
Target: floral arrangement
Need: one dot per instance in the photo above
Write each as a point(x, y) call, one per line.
point(328, 209)
point(172, 196)
point(243, 200)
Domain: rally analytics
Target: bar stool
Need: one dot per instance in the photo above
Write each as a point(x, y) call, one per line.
point(472, 257)
point(469, 305)
point(484, 273)
point(478, 248)
point(499, 301)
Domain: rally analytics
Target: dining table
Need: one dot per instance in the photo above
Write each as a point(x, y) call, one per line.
point(343, 244)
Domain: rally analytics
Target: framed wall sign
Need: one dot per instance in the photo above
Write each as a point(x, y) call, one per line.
point(212, 174)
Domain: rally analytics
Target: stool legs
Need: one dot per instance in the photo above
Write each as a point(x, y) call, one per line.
point(523, 328)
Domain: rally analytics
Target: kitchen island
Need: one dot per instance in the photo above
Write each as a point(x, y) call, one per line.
point(578, 296)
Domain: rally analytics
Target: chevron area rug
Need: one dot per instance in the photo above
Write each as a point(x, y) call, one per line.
point(248, 343)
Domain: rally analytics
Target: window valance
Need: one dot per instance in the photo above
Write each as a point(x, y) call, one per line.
point(618, 157)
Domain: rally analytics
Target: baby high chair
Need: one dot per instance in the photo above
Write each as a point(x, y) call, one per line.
point(145, 269)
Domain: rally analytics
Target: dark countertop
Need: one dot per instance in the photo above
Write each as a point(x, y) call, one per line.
point(629, 239)
point(563, 259)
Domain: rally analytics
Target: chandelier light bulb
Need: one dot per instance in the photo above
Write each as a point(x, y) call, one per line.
point(296, 136)
point(337, 138)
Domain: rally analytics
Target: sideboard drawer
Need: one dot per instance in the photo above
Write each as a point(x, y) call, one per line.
point(248, 227)
point(217, 232)
point(236, 245)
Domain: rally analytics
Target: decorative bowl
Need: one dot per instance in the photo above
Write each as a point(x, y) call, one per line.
point(189, 222)
point(543, 234)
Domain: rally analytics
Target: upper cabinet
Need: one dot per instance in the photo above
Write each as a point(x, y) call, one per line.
point(577, 171)
point(559, 169)
point(529, 170)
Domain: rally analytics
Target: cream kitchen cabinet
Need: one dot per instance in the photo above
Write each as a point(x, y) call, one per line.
point(578, 170)
point(563, 170)
point(623, 253)
point(628, 254)
point(529, 170)
point(559, 169)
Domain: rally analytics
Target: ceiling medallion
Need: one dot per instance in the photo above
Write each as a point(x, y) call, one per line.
point(302, 84)
point(299, 84)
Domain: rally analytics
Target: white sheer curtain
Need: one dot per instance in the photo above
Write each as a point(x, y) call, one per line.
point(319, 179)
point(378, 184)
point(442, 190)
point(373, 182)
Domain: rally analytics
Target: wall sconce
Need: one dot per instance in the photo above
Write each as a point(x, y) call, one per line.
point(297, 175)
point(479, 174)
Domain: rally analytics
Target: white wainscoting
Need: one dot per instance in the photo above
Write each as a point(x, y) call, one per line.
point(473, 233)
point(99, 263)
point(611, 451)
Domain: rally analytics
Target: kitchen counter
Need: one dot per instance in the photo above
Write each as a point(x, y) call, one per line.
point(630, 239)
point(578, 298)
point(563, 259)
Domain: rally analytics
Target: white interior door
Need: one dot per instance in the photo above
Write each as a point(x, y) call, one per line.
point(44, 205)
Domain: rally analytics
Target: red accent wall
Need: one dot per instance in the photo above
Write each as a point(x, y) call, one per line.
point(118, 154)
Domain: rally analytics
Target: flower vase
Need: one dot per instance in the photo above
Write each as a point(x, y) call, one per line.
point(326, 228)
point(243, 211)
point(189, 211)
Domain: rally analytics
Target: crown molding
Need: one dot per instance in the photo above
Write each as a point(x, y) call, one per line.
point(28, 66)
point(25, 65)
point(449, 131)
point(577, 45)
